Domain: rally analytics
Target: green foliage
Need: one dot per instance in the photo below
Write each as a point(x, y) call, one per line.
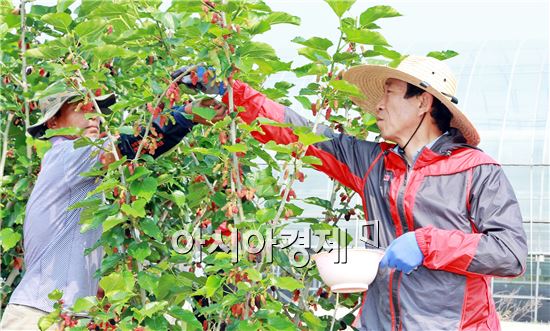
point(129, 48)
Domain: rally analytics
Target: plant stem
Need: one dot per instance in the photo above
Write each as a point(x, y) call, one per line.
point(24, 81)
point(335, 188)
point(4, 149)
point(165, 212)
point(290, 179)
point(157, 103)
point(335, 309)
point(236, 185)
point(196, 161)
point(143, 295)
point(345, 206)
point(3, 163)
point(337, 49)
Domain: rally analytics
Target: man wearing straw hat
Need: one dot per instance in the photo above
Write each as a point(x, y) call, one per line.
point(54, 247)
point(449, 219)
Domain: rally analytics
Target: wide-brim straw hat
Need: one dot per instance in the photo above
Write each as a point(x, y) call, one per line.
point(427, 73)
point(50, 105)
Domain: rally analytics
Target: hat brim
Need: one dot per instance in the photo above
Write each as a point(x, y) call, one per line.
point(39, 129)
point(371, 80)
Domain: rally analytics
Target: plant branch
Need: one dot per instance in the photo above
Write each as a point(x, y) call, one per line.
point(335, 188)
point(5, 148)
point(236, 185)
point(24, 81)
point(335, 310)
point(157, 103)
point(121, 171)
point(196, 161)
point(291, 179)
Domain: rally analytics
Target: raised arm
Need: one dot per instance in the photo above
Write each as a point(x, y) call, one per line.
point(344, 158)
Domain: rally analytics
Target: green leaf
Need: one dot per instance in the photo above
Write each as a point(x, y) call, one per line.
point(270, 122)
point(313, 160)
point(60, 21)
point(213, 283)
point(34, 52)
point(253, 274)
point(313, 322)
point(219, 198)
point(265, 214)
point(55, 295)
point(340, 6)
point(118, 285)
point(9, 238)
point(443, 55)
point(314, 54)
point(373, 13)
point(366, 37)
point(45, 322)
point(136, 209)
point(273, 146)
point(381, 50)
point(112, 221)
point(21, 185)
point(151, 229)
point(157, 323)
point(346, 87)
point(314, 42)
point(319, 202)
point(185, 316)
point(140, 251)
point(62, 5)
point(280, 322)
point(107, 52)
point(296, 211)
point(69, 131)
point(311, 69)
point(196, 193)
point(90, 28)
point(109, 9)
point(257, 50)
point(236, 148)
point(287, 283)
point(282, 18)
point(145, 188)
point(150, 309)
point(272, 19)
point(138, 173)
point(206, 113)
point(306, 137)
point(84, 304)
point(54, 88)
point(178, 197)
point(304, 101)
point(148, 281)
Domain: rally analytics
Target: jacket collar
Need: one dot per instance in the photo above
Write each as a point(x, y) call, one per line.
point(441, 149)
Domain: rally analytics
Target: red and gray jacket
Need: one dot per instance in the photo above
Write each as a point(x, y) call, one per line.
point(458, 201)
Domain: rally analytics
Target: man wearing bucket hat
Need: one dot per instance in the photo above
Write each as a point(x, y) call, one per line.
point(54, 247)
point(449, 219)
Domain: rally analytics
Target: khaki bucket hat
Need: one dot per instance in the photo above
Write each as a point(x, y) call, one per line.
point(50, 105)
point(427, 73)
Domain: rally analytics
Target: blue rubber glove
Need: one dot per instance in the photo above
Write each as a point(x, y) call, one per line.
point(208, 87)
point(403, 254)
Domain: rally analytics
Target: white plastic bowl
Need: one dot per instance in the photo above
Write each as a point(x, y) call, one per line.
point(353, 276)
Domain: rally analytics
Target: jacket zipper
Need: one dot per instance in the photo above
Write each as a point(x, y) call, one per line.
point(403, 221)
